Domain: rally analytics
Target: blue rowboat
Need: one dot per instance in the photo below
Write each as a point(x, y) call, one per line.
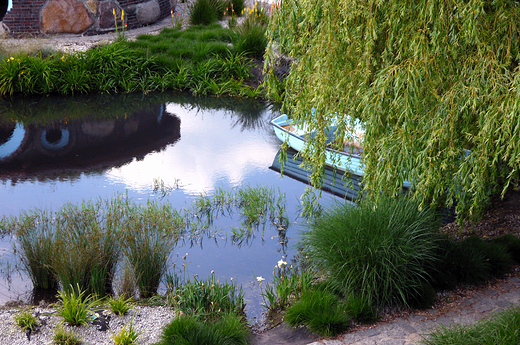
point(349, 159)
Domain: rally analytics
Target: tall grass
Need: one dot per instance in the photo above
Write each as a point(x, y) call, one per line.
point(501, 329)
point(149, 234)
point(377, 250)
point(36, 235)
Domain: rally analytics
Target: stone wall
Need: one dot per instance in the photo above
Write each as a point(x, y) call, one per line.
point(88, 17)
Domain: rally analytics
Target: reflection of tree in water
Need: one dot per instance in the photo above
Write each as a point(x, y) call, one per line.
point(248, 113)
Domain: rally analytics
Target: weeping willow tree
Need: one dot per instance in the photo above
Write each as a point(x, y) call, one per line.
point(435, 81)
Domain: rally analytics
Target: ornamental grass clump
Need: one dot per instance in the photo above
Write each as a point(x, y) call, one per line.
point(149, 235)
point(26, 320)
point(36, 237)
point(75, 306)
point(188, 330)
point(501, 329)
point(321, 311)
point(377, 250)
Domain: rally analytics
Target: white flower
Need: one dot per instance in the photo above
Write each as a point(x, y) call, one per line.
point(281, 263)
point(260, 279)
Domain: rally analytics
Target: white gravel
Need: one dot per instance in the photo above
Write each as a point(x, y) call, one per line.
point(148, 320)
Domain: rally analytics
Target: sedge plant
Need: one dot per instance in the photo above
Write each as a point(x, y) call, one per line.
point(75, 307)
point(26, 320)
point(63, 336)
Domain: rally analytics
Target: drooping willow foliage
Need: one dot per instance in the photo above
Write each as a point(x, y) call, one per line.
point(435, 81)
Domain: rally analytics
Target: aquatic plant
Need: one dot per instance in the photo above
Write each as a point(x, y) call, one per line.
point(36, 235)
point(208, 299)
point(149, 234)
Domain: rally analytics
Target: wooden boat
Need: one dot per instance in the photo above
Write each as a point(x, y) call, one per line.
point(348, 159)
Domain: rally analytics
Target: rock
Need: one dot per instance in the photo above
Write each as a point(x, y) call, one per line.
point(173, 5)
point(92, 5)
point(106, 15)
point(65, 16)
point(148, 13)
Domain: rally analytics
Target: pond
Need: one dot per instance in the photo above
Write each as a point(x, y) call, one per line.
point(164, 147)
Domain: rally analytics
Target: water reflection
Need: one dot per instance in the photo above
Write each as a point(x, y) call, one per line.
point(37, 147)
point(86, 148)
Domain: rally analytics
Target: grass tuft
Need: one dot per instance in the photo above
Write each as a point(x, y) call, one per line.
point(26, 320)
point(378, 250)
point(75, 308)
point(63, 336)
point(321, 311)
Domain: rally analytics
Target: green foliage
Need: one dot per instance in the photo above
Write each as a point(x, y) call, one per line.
point(126, 336)
point(198, 59)
point(361, 309)
point(494, 253)
point(511, 243)
point(435, 82)
point(148, 236)
point(120, 305)
point(205, 12)
point(378, 250)
point(250, 38)
point(230, 329)
point(36, 236)
point(501, 329)
point(62, 336)
point(321, 311)
point(74, 307)
point(208, 299)
point(26, 320)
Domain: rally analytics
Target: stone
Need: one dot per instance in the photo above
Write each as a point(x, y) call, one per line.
point(92, 5)
point(173, 5)
point(65, 16)
point(106, 18)
point(148, 13)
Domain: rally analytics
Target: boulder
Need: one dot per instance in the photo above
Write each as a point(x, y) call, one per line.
point(92, 5)
point(106, 14)
point(148, 13)
point(65, 16)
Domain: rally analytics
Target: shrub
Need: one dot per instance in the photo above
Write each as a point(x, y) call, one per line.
point(494, 253)
point(187, 330)
point(378, 250)
point(512, 244)
point(120, 305)
point(320, 311)
point(126, 336)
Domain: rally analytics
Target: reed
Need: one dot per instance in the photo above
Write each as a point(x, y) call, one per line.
point(149, 234)
point(36, 237)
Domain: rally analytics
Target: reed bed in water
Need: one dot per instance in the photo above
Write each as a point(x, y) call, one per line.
point(94, 237)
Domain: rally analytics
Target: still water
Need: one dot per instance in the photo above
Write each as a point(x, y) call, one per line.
point(59, 150)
